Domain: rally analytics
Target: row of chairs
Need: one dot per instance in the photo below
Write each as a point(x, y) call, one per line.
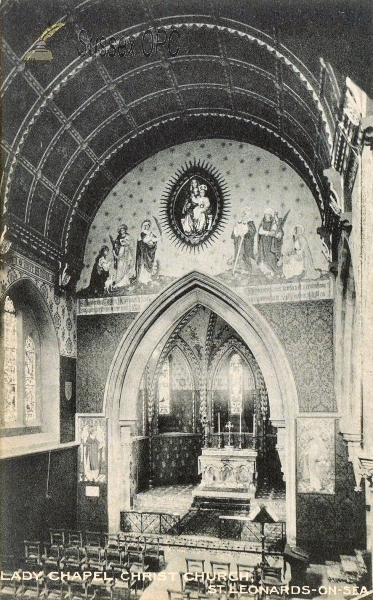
point(244, 575)
point(44, 588)
point(118, 553)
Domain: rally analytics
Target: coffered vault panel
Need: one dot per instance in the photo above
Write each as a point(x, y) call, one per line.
point(73, 127)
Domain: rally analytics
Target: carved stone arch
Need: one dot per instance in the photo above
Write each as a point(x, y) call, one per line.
point(157, 322)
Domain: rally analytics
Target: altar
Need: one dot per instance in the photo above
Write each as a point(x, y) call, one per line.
point(227, 473)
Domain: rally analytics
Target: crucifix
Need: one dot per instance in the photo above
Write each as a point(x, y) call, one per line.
point(229, 426)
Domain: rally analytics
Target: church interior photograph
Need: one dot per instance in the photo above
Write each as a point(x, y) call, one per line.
point(186, 299)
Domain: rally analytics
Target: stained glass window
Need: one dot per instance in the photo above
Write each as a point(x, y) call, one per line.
point(236, 384)
point(164, 389)
point(30, 383)
point(10, 362)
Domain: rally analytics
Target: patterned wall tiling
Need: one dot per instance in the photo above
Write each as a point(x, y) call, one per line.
point(175, 459)
point(61, 308)
point(254, 178)
point(306, 332)
point(98, 338)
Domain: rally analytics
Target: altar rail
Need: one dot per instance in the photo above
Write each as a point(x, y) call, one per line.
point(150, 522)
point(271, 535)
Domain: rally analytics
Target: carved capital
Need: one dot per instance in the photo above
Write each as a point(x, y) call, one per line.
point(367, 127)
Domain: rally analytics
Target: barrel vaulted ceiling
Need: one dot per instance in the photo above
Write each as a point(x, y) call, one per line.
point(246, 69)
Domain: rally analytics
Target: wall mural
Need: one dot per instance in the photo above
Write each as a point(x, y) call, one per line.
point(316, 455)
point(91, 432)
point(262, 231)
point(195, 206)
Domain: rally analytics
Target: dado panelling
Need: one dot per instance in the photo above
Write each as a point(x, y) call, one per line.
point(306, 332)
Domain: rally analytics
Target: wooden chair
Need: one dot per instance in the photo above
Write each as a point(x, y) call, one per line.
point(74, 559)
point(33, 589)
point(122, 590)
point(244, 574)
point(93, 538)
point(74, 538)
point(197, 585)
point(272, 577)
point(52, 556)
point(77, 590)
point(112, 540)
point(99, 588)
point(53, 590)
point(32, 554)
point(57, 537)
point(178, 595)
point(194, 565)
point(220, 569)
point(115, 561)
point(95, 558)
point(8, 589)
point(154, 555)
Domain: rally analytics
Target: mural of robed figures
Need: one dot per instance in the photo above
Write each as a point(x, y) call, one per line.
point(298, 262)
point(316, 455)
point(146, 266)
point(243, 236)
point(93, 462)
point(270, 240)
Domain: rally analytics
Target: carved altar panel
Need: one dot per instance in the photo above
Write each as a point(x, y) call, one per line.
point(316, 455)
point(227, 472)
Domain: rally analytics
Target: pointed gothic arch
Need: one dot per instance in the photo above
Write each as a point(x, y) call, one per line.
point(137, 345)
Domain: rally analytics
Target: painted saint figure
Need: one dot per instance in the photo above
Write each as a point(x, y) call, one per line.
point(122, 252)
point(100, 272)
point(243, 236)
point(146, 264)
point(270, 236)
point(92, 455)
point(298, 263)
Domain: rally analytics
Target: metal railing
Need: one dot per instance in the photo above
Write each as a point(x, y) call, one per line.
point(150, 522)
point(271, 536)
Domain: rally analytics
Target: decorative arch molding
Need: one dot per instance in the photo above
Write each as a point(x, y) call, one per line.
point(187, 354)
point(27, 297)
point(224, 349)
point(140, 340)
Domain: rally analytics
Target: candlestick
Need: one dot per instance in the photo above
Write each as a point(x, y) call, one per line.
point(219, 423)
point(240, 430)
point(254, 426)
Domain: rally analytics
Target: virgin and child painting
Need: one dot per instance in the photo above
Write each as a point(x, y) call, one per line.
point(195, 205)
